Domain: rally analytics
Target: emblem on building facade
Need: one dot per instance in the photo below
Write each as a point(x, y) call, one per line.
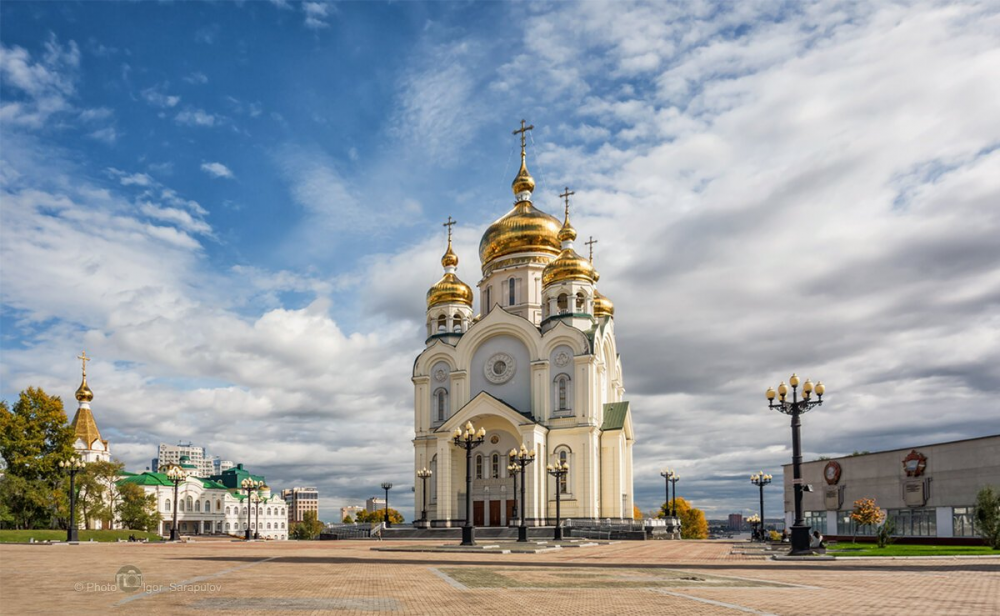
point(831, 472)
point(500, 368)
point(914, 463)
point(562, 359)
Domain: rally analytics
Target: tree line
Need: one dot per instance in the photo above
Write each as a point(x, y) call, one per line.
point(35, 437)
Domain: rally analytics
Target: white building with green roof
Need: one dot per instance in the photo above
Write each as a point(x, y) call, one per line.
point(215, 505)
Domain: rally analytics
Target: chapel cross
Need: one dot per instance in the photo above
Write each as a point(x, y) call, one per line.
point(449, 224)
point(590, 244)
point(84, 359)
point(524, 129)
point(565, 196)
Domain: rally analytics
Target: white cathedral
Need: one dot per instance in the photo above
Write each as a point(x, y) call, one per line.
point(539, 366)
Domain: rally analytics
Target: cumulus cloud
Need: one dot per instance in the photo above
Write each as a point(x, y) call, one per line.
point(217, 170)
point(37, 88)
point(157, 98)
point(196, 117)
point(316, 14)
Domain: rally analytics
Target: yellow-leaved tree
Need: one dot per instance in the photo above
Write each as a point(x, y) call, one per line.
point(693, 522)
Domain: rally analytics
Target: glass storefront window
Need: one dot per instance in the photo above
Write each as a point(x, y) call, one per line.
point(848, 527)
point(914, 522)
point(963, 520)
point(815, 520)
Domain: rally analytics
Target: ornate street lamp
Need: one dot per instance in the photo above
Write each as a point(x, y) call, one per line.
point(255, 498)
point(753, 520)
point(558, 471)
point(667, 474)
point(674, 478)
point(469, 440)
point(424, 474)
point(795, 408)
point(386, 486)
point(521, 459)
point(72, 466)
point(249, 484)
point(513, 469)
point(760, 480)
point(176, 475)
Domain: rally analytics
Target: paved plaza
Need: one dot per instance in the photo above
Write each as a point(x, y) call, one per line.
point(652, 577)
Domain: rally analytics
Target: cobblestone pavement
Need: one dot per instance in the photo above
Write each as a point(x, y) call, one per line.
point(346, 577)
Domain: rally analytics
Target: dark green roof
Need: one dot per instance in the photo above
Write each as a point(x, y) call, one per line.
point(233, 477)
point(614, 415)
point(148, 478)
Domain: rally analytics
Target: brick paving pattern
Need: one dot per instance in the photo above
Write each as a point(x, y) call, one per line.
point(654, 577)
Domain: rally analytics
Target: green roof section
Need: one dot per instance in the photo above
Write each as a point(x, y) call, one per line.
point(233, 477)
point(148, 478)
point(614, 416)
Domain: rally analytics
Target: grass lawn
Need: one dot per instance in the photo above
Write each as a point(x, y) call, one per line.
point(870, 549)
point(23, 536)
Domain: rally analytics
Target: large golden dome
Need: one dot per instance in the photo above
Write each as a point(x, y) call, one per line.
point(449, 290)
point(524, 228)
point(603, 306)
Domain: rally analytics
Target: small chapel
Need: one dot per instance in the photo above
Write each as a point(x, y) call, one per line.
point(538, 366)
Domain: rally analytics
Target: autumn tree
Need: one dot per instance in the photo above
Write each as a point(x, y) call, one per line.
point(867, 513)
point(375, 517)
point(636, 512)
point(693, 522)
point(348, 519)
point(34, 438)
point(309, 528)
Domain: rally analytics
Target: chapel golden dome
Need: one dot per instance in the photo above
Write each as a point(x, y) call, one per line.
point(568, 265)
point(83, 393)
point(523, 229)
point(603, 306)
point(449, 290)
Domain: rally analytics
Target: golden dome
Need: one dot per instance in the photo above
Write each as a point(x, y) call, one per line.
point(603, 306)
point(523, 181)
point(449, 290)
point(523, 229)
point(83, 393)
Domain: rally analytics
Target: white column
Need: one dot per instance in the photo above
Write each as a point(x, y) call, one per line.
point(445, 493)
point(831, 523)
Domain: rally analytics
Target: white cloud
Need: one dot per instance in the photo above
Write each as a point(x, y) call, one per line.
point(316, 14)
point(217, 170)
point(196, 117)
point(155, 97)
point(107, 135)
point(47, 85)
point(196, 77)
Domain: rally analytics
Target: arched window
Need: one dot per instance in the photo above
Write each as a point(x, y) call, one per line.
point(564, 480)
point(495, 466)
point(442, 324)
point(268, 526)
point(489, 299)
point(282, 525)
point(227, 526)
point(166, 505)
point(562, 303)
point(208, 506)
point(434, 470)
point(456, 321)
point(580, 300)
point(190, 503)
point(218, 506)
point(197, 506)
point(479, 466)
point(441, 402)
point(511, 292)
point(268, 511)
point(562, 400)
point(228, 511)
point(244, 513)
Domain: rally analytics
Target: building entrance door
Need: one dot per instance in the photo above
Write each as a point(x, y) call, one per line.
point(494, 513)
point(511, 520)
point(477, 514)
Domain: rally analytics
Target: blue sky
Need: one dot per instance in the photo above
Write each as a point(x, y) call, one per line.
point(236, 207)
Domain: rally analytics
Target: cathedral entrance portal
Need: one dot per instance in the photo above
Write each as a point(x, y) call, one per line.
point(477, 514)
point(494, 513)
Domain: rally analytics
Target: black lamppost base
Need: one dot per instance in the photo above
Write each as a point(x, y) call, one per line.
point(72, 535)
point(246, 535)
point(558, 534)
point(256, 535)
point(173, 534)
point(468, 535)
point(522, 534)
point(800, 541)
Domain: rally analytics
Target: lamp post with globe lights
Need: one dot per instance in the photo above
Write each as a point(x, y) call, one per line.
point(521, 458)
point(386, 486)
point(666, 474)
point(558, 470)
point(760, 480)
point(673, 479)
point(250, 485)
point(72, 466)
point(468, 440)
point(753, 521)
point(795, 408)
point(513, 469)
point(176, 475)
point(424, 474)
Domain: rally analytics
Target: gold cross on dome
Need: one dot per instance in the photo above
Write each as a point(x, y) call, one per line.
point(524, 129)
point(590, 244)
point(84, 359)
point(449, 224)
point(565, 196)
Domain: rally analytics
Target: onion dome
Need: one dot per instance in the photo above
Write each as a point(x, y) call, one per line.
point(603, 306)
point(449, 290)
point(524, 228)
point(568, 265)
point(83, 393)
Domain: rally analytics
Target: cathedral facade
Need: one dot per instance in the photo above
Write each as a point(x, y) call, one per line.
point(539, 367)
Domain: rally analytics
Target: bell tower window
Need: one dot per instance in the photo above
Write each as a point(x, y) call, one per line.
point(511, 285)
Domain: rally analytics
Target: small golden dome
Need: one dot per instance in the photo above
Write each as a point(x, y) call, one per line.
point(567, 233)
point(523, 181)
point(449, 290)
point(603, 306)
point(83, 393)
point(568, 266)
point(450, 259)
